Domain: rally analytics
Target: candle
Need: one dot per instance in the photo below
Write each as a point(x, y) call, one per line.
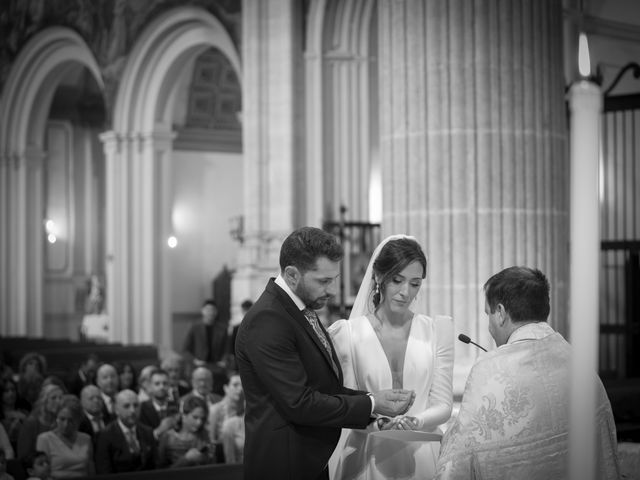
point(585, 100)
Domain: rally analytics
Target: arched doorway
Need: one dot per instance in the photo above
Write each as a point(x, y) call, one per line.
point(53, 63)
point(141, 167)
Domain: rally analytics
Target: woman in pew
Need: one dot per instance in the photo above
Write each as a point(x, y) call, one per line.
point(31, 372)
point(70, 451)
point(189, 444)
point(42, 419)
point(230, 409)
point(126, 376)
point(12, 411)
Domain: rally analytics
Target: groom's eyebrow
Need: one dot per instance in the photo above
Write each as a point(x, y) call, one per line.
point(331, 278)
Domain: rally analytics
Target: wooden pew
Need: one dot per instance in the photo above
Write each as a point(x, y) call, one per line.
point(206, 472)
point(64, 356)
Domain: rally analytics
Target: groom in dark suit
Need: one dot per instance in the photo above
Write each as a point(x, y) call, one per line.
point(295, 401)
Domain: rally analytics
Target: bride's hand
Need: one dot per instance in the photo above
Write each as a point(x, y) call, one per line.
point(384, 423)
point(404, 422)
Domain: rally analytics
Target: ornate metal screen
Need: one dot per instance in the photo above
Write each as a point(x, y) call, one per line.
point(620, 234)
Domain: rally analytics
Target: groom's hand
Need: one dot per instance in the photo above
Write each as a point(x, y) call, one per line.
point(393, 402)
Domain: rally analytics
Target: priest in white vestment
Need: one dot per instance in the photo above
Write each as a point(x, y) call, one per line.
point(514, 417)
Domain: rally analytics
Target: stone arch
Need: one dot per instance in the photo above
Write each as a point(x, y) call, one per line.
point(341, 84)
point(138, 151)
point(156, 59)
point(24, 107)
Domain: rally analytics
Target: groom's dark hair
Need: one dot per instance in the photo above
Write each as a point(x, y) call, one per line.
point(303, 247)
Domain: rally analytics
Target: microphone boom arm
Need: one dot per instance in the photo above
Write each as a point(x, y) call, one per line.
point(464, 339)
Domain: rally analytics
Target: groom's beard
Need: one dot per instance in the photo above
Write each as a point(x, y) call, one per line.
point(312, 303)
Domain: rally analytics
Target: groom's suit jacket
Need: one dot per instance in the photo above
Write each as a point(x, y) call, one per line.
point(295, 402)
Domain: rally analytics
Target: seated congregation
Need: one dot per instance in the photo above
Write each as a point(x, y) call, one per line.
point(118, 418)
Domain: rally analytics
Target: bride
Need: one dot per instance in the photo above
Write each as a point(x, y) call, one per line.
point(385, 345)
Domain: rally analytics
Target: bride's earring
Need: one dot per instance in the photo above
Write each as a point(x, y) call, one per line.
point(377, 288)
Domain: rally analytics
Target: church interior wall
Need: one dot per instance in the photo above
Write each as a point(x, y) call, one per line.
point(216, 194)
point(207, 193)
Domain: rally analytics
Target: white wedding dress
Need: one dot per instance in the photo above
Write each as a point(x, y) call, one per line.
point(428, 368)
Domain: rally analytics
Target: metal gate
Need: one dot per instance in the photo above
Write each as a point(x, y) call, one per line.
point(620, 234)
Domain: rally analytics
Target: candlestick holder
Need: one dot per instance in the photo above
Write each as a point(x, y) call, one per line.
point(631, 66)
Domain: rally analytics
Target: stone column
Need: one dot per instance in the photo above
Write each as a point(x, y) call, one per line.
point(116, 273)
point(271, 117)
point(5, 218)
point(138, 223)
point(35, 202)
point(156, 227)
point(473, 147)
point(13, 172)
point(21, 255)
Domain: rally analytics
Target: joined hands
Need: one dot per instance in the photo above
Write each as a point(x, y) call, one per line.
point(401, 422)
point(392, 403)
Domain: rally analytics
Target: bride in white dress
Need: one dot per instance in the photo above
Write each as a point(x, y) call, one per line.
point(385, 345)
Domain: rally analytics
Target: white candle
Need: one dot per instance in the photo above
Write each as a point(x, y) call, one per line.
point(585, 100)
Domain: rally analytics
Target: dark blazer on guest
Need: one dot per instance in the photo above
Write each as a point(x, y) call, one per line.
point(77, 382)
point(86, 426)
point(295, 402)
point(196, 343)
point(150, 417)
point(113, 455)
point(107, 417)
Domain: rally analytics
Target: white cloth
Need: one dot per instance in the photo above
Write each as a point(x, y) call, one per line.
point(514, 417)
point(427, 370)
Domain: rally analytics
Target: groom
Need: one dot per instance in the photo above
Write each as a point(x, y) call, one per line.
point(291, 376)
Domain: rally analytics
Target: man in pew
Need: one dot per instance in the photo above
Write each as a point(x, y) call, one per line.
point(125, 445)
point(92, 422)
point(202, 386)
point(173, 364)
point(159, 412)
point(85, 375)
point(107, 382)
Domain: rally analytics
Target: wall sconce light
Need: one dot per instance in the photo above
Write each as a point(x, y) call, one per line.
point(172, 241)
point(50, 228)
point(236, 228)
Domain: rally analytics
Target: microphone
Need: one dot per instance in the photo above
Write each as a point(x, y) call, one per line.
point(464, 339)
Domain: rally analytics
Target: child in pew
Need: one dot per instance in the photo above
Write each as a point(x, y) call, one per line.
point(3, 467)
point(37, 466)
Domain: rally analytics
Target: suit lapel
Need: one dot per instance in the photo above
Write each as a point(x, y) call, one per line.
point(298, 317)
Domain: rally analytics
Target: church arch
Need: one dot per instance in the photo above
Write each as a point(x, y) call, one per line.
point(343, 104)
point(139, 150)
point(24, 109)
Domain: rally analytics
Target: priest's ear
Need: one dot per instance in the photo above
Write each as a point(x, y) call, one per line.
point(502, 314)
point(291, 275)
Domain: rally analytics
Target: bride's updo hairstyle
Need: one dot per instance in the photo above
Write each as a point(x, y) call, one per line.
point(394, 257)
